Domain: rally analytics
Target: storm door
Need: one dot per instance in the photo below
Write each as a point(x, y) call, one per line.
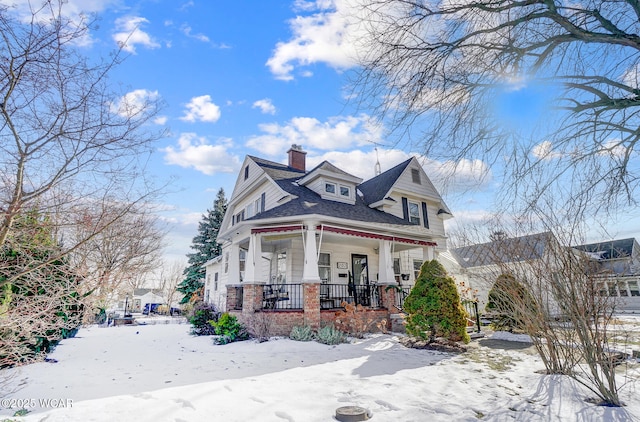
point(360, 279)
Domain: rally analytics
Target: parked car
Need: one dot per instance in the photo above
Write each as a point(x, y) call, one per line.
point(151, 308)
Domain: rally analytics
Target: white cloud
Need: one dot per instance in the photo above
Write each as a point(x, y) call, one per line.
point(544, 151)
point(186, 30)
point(75, 10)
point(160, 120)
point(458, 176)
point(265, 105)
point(613, 148)
point(134, 103)
point(201, 109)
point(327, 35)
point(195, 152)
point(359, 163)
point(186, 6)
point(128, 34)
point(446, 176)
point(337, 133)
point(631, 77)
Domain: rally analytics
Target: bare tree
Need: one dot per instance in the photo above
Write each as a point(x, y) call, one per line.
point(437, 67)
point(62, 128)
point(552, 292)
point(170, 277)
point(72, 150)
point(119, 247)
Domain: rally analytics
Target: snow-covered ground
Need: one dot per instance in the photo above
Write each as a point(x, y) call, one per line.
point(161, 373)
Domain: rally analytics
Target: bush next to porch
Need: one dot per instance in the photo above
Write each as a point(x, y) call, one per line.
point(434, 306)
point(201, 317)
point(228, 329)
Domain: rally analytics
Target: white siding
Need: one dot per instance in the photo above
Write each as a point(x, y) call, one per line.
point(436, 224)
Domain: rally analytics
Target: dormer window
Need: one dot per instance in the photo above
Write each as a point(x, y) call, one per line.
point(345, 191)
point(415, 176)
point(330, 188)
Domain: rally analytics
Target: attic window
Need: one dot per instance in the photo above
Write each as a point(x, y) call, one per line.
point(330, 188)
point(345, 191)
point(246, 172)
point(415, 176)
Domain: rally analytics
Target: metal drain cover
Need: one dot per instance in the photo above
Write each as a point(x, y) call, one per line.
point(352, 414)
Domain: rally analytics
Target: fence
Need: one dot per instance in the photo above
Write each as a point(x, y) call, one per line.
point(282, 296)
point(401, 295)
point(471, 306)
point(332, 295)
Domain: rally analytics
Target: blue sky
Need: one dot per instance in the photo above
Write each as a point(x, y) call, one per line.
point(253, 77)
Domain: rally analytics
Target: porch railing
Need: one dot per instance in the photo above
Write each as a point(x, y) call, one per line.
point(401, 295)
point(471, 306)
point(282, 296)
point(332, 295)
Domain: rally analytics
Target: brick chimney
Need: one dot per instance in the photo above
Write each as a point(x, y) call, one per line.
point(297, 157)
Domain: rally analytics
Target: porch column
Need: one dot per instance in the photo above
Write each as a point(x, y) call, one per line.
point(234, 264)
point(385, 264)
point(311, 278)
point(310, 272)
point(427, 253)
point(253, 264)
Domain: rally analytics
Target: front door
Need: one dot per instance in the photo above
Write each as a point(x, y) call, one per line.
point(360, 279)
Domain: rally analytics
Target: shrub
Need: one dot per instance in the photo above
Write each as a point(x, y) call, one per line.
point(228, 329)
point(508, 300)
point(331, 335)
point(302, 333)
point(434, 306)
point(201, 316)
point(259, 325)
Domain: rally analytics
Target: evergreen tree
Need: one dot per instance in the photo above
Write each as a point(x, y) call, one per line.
point(206, 248)
point(434, 306)
point(39, 299)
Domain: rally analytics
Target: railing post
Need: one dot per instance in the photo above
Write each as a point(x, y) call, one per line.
point(388, 296)
point(475, 305)
point(311, 300)
point(252, 298)
point(231, 297)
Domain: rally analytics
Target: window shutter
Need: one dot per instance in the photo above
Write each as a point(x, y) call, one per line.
point(405, 208)
point(262, 198)
point(425, 216)
point(233, 220)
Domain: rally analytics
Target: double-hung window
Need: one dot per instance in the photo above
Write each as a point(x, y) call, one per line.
point(414, 213)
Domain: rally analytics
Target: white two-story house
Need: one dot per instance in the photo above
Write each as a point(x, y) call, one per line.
point(287, 227)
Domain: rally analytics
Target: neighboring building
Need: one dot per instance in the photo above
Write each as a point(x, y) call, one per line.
point(295, 239)
point(618, 261)
point(143, 296)
point(535, 258)
point(478, 266)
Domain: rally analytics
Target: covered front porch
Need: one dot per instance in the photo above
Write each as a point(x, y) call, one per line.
point(301, 274)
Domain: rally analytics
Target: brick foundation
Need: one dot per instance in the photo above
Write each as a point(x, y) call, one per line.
point(282, 321)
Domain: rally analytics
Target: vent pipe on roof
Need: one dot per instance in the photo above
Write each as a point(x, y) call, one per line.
point(297, 157)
